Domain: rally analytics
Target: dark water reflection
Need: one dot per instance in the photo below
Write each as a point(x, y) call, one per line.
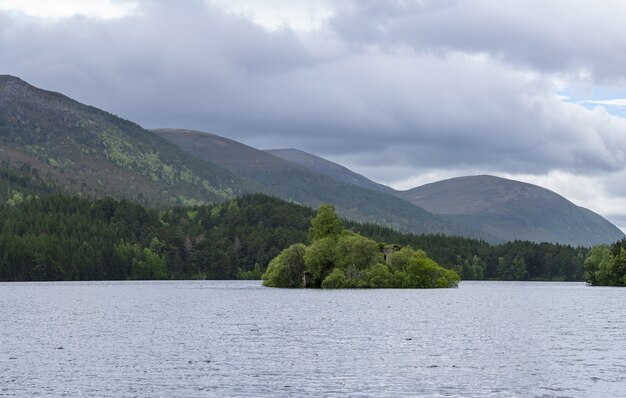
point(185, 339)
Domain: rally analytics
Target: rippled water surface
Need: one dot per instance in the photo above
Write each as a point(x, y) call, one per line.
point(207, 338)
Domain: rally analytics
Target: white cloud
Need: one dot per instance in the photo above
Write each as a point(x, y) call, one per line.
point(104, 9)
point(300, 15)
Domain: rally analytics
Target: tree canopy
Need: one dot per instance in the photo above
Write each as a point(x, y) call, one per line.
point(606, 266)
point(325, 224)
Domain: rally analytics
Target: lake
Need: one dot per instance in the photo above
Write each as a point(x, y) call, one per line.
point(236, 338)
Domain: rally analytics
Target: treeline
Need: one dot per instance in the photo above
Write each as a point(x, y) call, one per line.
point(62, 237)
point(68, 238)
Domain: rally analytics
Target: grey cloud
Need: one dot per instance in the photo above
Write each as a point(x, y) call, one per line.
point(613, 185)
point(549, 35)
point(196, 66)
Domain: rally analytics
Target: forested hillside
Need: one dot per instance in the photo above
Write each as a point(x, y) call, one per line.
point(22, 181)
point(63, 237)
point(87, 151)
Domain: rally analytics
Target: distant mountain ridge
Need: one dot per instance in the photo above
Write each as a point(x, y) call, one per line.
point(328, 168)
point(513, 210)
point(228, 153)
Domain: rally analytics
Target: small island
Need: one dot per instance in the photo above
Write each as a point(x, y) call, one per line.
point(338, 258)
point(606, 265)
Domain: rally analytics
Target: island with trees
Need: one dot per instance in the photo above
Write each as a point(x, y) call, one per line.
point(338, 258)
point(606, 265)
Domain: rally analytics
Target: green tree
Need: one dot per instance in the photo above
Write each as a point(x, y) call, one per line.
point(149, 266)
point(355, 252)
point(254, 274)
point(320, 259)
point(606, 266)
point(518, 269)
point(287, 269)
point(335, 280)
point(416, 270)
point(619, 268)
point(325, 224)
point(379, 276)
point(478, 266)
point(598, 265)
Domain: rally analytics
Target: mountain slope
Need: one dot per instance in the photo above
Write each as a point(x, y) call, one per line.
point(86, 150)
point(513, 210)
point(225, 152)
point(293, 182)
point(328, 168)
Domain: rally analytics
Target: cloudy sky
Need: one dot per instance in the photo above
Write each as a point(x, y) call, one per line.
point(403, 91)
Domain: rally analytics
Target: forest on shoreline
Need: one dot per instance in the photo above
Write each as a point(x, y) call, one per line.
point(60, 237)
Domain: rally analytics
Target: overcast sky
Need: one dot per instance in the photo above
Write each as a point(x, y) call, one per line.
point(405, 92)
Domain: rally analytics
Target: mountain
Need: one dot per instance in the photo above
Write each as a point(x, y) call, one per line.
point(503, 210)
point(51, 143)
point(513, 210)
point(82, 149)
point(225, 152)
point(328, 168)
point(293, 182)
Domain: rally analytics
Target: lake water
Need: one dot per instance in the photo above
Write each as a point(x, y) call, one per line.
point(236, 338)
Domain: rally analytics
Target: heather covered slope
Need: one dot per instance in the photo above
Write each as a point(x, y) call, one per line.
point(82, 149)
point(513, 210)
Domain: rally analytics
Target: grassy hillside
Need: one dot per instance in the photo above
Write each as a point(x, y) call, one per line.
point(82, 149)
